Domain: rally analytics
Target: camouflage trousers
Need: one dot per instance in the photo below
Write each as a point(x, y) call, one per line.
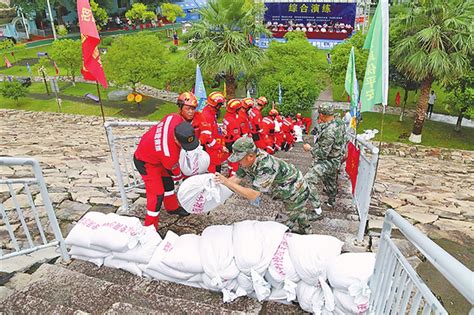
point(298, 219)
point(325, 172)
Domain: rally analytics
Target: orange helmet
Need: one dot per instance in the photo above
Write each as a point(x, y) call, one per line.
point(216, 99)
point(298, 115)
point(187, 98)
point(273, 112)
point(247, 102)
point(262, 101)
point(233, 105)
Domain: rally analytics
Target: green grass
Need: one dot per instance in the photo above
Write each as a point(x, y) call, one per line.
point(162, 111)
point(339, 95)
point(435, 134)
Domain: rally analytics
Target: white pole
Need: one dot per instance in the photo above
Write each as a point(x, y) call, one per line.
point(24, 24)
point(51, 19)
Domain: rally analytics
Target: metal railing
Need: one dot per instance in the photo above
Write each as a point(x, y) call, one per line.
point(369, 155)
point(123, 139)
point(31, 243)
point(397, 288)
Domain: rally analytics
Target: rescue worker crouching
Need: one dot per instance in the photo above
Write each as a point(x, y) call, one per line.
point(157, 158)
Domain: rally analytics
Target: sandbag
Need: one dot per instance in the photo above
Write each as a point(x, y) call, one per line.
point(117, 233)
point(122, 264)
point(298, 134)
point(255, 243)
point(185, 254)
point(346, 304)
point(81, 233)
point(281, 268)
point(142, 253)
point(310, 255)
point(88, 252)
point(216, 284)
point(316, 299)
point(217, 255)
point(351, 268)
point(194, 162)
point(201, 194)
point(157, 261)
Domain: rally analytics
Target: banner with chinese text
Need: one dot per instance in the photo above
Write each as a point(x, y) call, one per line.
point(304, 12)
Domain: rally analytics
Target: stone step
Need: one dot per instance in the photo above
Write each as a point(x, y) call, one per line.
point(65, 289)
point(23, 303)
point(178, 291)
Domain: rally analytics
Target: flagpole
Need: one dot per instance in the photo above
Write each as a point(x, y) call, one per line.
point(100, 101)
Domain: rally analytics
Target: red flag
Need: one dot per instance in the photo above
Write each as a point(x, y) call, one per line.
point(397, 99)
point(250, 39)
point(352, 164)
point(56, 68)
point(92, 66)
point(7, 62)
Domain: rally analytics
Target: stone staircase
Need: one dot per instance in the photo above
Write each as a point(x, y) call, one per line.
point(83, 287)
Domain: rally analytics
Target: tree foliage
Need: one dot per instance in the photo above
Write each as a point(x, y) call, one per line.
point(298, 68)
point(67, 54)
point(435, 44)
point(132, 59)
point(340, 55)
point(460, 99)
point(220, 41)
point(13, 90)
point(6, 45)
point(101, 16)
point(179, 73)
point(139, 13)
point(171, 11)
point(30, 7)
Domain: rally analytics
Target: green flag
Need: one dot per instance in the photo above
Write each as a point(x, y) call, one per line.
point(375, 87)
point(351, 84)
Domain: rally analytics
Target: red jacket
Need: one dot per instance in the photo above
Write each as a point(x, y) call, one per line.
point(207, 129)
point(255, 117)
point(232, 124)
point(268, 133)
point(244, 122)
point(157, 146)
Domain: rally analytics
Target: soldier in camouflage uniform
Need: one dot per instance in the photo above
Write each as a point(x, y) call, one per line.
point(269, 174)
point(328, 152)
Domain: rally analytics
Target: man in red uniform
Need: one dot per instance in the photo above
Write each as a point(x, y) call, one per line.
point(157, 158)
point(299, 121)
point(288, 130)
point(247, 104)
point(255, 117)
point(268, 132)
point(232, 125)
point(207, 130)
point(307, 122)
point(279, 134)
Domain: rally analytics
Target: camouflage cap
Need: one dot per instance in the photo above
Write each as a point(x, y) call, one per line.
point(326, 109)
point(241, 148)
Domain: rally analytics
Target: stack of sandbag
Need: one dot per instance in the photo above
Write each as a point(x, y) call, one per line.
point(254, 245)
point(176, 259)
point(194, 162)
point(79, 239)
point(349, 275)
point(311, 255)
point(201, 194)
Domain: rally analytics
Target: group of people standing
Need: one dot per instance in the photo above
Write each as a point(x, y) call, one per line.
point(247, 142)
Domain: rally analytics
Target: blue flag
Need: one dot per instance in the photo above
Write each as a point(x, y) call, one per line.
point(28, 68)
point(200, 90)
point(279, 94)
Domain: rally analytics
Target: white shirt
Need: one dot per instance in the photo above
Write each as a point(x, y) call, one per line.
point(432, 98)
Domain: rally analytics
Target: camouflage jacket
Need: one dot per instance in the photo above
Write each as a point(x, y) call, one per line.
point(271, 174)
point(331, 141)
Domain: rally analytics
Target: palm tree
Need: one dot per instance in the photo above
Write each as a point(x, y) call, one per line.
point(436, 44)
point(221, 40)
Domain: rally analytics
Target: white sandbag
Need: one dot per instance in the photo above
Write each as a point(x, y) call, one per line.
point(316, 299)
point(217, 255)
point(351, 268)
point(80, 234)
point(216, 284)
point(148, 273)
point(142, 253)
point(194, 162)
point(156, 262)
point(310, 255)
point(347, 304)
point(88, 252)
point(122, 264)
point(229, 296)
point(261, 288)
point(245, 282)
point(96, 261)
point(255, 243)
point(281, 268)
point(298, 133)
point(201, 194)
point(185, 254)
point(117, 233)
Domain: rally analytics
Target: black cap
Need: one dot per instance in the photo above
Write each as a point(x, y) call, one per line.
point(184, 132)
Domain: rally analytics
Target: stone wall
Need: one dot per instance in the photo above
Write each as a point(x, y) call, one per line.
point(419, 151)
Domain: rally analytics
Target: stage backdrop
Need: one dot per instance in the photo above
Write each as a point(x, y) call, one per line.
point(304, 12)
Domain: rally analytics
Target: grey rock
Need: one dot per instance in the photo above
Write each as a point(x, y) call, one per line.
point(71, 211)
point(18, 281)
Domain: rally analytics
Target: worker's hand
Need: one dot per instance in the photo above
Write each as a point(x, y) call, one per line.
point(306, 147)
point(220, 179)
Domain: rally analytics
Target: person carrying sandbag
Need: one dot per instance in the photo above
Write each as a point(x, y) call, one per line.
point(269, 174)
